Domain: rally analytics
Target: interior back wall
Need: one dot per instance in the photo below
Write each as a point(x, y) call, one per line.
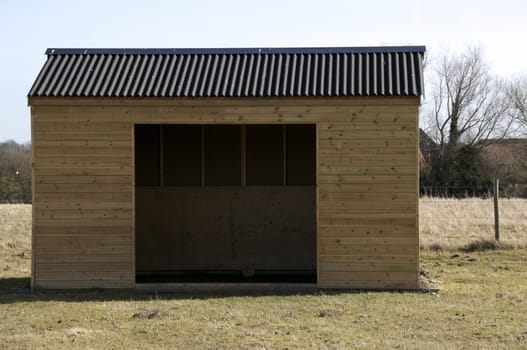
point(225, 228)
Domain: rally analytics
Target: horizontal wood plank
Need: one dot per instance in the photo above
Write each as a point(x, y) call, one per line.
point(83, 188)
point(367, 284)
point(92, 144)
point(347, 241)
point(395, 112)
point(84, 213)
point(368, 258)
point(363, 102)
point(86, 275)
point(83, 171)
point(84, 231)
point(100, 239)
point(85, 162)
point(82, 205)
point(367, 179)
point(85, 179)
point(69, 250)
point(365, 267)
point(371, 124)
point(406, 188)
point(354, 135)
point(369, 152)
point(60, 152)
point(88, 124)
point(366, 222)
point(367, 275)
point(89, 197)
point(365, 170)
point(372, 142)
point(342, 163)
point(106, 266)
point(73, 260)
point(84, 222)
point(367, 206)
point(371, 231)
point(401, 198)
point(96, 135)
point(84, 284)
point(369, 250)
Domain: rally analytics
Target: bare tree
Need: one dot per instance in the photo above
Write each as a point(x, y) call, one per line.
point(469, 104)
point(15, 172)
point(518, 95)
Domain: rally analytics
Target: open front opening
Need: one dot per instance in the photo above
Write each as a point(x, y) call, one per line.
point(225, 203)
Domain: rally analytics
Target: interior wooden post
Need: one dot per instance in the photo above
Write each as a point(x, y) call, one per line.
point(284, 151)
point(202, 156)
point(161, 179)
point(243, 156)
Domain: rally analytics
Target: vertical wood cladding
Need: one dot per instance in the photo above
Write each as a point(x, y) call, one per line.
point(367, 175)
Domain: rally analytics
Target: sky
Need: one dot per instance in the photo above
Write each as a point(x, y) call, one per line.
point(28, 27)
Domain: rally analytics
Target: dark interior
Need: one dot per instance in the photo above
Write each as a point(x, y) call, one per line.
point(225, 203)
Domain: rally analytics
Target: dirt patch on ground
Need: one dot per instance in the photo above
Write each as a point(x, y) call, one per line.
point(147, 314)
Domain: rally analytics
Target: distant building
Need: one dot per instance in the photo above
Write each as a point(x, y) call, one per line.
point(506, 160)
point(428, 148)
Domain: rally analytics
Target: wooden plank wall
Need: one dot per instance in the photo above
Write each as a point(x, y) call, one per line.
point(232, 228)
point(367, 184)
point(83, 199)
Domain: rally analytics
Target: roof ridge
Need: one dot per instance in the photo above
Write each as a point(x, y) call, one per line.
point(233, 51)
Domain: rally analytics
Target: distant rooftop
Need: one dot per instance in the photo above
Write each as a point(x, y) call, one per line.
point(232, 72)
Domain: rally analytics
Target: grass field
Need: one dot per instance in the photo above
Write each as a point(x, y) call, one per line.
point(451, 223)
point(481, 303)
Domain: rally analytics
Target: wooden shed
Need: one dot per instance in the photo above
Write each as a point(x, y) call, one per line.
point(253, 166)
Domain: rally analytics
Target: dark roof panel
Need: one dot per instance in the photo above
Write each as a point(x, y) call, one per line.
point(278, 72)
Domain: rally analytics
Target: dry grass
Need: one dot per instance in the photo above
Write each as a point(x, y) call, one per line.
point(481, 304)
point(15, 240)
point(15, 226)
point(454, 223)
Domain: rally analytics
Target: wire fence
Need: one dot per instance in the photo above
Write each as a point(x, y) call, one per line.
point(457, 192)
point(454, 222)
point(507, 190)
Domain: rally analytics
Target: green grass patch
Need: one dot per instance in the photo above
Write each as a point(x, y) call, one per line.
point(484, 245)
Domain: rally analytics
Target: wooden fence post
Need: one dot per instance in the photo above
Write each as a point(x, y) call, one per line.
point(496, 209)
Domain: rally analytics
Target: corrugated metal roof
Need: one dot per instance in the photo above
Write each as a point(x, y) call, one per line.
point(250, 72)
